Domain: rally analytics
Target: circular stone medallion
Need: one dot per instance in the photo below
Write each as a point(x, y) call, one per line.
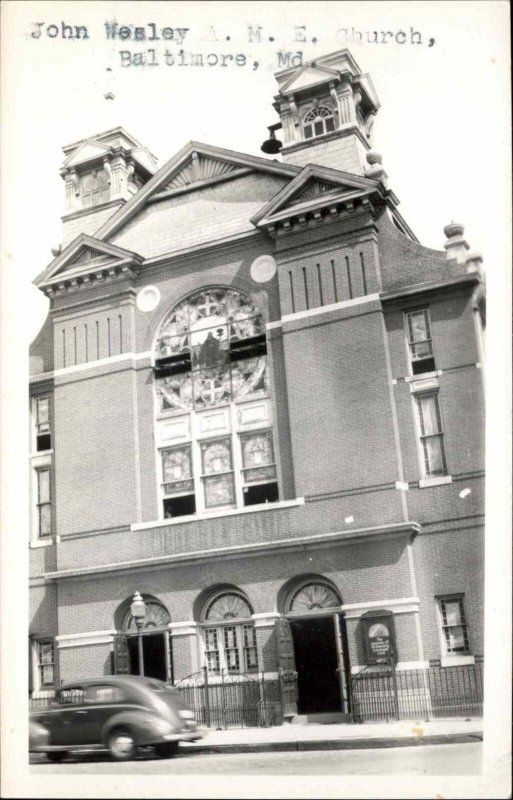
point(263, 269)
point(148, 298)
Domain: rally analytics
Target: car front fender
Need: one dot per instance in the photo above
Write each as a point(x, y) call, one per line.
point(143, 724)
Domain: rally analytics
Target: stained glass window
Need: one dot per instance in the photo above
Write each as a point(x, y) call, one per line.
point(217, 465)
point(313, 597)
point(177, 470)
point(257, 457)
point(211, 350)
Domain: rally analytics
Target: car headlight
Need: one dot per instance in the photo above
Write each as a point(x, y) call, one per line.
point(185, 714)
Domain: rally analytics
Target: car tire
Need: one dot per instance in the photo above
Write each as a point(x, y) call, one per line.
point(121, 744)
point(166, 749)
point(57, 756)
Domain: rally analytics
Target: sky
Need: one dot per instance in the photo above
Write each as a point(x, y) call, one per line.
point(443, 130)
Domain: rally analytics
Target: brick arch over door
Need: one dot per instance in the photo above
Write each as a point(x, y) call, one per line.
point(308, 593)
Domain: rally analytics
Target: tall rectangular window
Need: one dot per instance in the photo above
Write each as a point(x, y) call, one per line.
point(420, 344)
point(44, 503)
point(178, 482)
point(259, 468)
point(454, 626)
point(431, 435)
point(42, 424)
point(45, 662)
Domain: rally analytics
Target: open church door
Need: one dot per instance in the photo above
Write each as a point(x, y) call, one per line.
point(121, 658)
point(286, 667)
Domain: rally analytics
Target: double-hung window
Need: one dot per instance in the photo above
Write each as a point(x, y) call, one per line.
point(45, 663)
point(44, 503)
point(455, 636)
point(420, 344)
point(431, 435)
point(42, 423)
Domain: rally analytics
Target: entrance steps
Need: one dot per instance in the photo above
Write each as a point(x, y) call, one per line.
point(329, 718)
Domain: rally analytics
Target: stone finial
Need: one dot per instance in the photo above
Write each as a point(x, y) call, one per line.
point(456, 245)
point(474, 262)
point(56, 251)
point(375, 169)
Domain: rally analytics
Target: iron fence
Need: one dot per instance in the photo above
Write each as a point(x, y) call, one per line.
point(236, 701)
point(432, 693)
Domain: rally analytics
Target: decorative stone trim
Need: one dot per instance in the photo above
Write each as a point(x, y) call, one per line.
point(401, 529)
point(312, 312)
point(265, 619)
point(102, 362)
point(141, 526)
point(440, 480)
point(83, 639)
point(457, 661)
point(400, 666)
point(401, 605)
point(188, 628)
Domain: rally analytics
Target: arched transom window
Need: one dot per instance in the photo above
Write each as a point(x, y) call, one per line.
point(156, 617)
point(318, 121)
point(312, 597)
point(229, 639)
point(212, 394)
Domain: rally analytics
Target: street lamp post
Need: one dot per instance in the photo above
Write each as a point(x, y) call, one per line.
point(138, 609)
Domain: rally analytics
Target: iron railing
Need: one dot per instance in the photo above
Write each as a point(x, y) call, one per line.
point(231, 701)
point(432, 693)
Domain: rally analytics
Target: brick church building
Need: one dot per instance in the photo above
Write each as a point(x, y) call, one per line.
point(257, 400)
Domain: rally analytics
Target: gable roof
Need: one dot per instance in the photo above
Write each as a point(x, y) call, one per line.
point(316, 183)
point(83, 255)
point(182, 171)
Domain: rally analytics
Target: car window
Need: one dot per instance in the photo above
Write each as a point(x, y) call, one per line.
point(73, 694)
point(102, 693)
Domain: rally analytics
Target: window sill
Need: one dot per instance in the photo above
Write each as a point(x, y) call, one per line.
point(440, 480)
point(420, 377)
point(456, 661)
point(41, 543)
point(159, 523)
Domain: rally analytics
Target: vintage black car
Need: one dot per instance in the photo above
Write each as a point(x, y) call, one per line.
point(122, 714)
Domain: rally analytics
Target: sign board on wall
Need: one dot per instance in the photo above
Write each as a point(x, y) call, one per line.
point(379, 636)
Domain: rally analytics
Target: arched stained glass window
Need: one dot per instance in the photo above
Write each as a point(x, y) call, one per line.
point(318, 121)
point(313, 597)
point(214, 415)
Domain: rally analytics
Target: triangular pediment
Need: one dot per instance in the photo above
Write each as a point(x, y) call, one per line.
point(87, 151)
point(193, 166)
point(309, 75)
point(83, 254)
point(313, 186)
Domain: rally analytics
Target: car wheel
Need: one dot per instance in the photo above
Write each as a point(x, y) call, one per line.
point(57, 756)
point(166, 749)
point(121, 744)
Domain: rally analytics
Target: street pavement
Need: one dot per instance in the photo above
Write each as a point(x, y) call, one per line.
point(441, 759)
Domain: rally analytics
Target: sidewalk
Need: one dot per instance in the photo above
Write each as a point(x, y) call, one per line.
point(337, 736)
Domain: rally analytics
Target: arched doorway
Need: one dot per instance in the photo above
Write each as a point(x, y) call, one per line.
point(312, 608)
point(156, 643)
